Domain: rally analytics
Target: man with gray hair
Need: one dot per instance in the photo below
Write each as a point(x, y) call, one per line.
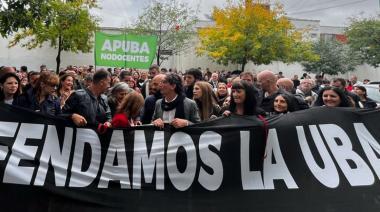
point(354, 81)
point(305, 91)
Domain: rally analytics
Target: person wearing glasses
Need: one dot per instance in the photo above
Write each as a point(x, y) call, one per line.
point(43, 97)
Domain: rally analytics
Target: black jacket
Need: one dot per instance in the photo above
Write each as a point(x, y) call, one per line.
point(148, 110)
point(51, 104)
point(267, 103)
point(83, 102)
point(369, 104)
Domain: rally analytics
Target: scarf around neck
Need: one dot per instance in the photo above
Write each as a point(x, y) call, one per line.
point(176, 104)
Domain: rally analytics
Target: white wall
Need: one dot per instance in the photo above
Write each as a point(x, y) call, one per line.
point(18, 56)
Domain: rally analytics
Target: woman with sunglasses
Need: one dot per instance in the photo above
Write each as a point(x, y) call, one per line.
point(42, 98)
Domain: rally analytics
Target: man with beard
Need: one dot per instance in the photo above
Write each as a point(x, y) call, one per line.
point(191, 76)
point(145, 88)
point(150, 101)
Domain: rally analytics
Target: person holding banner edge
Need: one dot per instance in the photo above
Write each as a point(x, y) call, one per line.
point(174, 107)
point(89, 106)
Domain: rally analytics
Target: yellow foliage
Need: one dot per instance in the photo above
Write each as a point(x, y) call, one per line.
point(250, 30)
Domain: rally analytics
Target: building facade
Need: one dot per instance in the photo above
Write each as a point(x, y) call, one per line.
point(18, 56)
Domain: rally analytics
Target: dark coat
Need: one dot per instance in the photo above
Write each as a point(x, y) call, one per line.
point(51, 104)
point(190, 109)
point(267, 103)
point(83, 102)
point(148, 110)
point(369, 104)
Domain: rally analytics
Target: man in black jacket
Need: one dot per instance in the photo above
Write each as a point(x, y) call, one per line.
point(150, 101)
point(145, 88)
point(89, 106)
point(270, 91)
point(191, 77)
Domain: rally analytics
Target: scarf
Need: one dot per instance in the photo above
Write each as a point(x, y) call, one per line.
point(189, 91)
point(221, 99)
point(177, 104)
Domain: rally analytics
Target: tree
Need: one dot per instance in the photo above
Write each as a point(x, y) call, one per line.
point(68, 26)
point(172, 23)
point(19, 14)
point(364, 38)
point(251, 31)
point(335, 58)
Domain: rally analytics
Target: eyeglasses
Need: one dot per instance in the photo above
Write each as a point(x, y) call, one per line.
point(55, 86)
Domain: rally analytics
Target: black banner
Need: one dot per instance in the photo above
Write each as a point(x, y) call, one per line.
point(322, 159)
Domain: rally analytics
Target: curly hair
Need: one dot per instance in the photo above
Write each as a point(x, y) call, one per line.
point(195, 72)
point(175, 79)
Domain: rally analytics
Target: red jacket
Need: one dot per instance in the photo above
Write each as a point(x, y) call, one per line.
point(120, 120)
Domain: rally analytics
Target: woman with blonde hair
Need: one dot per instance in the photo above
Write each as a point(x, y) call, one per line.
point(203, 96)
point(221, 93)
point(128, 111)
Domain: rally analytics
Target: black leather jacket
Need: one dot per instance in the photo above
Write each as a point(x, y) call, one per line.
point(83, 102)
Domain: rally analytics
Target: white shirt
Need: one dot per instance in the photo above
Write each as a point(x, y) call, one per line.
point(9, 101)
point(168, 116)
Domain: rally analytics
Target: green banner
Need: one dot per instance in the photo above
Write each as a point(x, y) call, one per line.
point(124, 50)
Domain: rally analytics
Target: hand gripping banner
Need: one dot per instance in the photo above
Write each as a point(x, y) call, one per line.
point(322, 159)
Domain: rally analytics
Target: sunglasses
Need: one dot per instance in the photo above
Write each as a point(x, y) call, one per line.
point(55, 86)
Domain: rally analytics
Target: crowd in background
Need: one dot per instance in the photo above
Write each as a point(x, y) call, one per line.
point(128, 97)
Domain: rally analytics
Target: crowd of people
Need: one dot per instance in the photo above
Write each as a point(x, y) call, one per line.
point(128, 97)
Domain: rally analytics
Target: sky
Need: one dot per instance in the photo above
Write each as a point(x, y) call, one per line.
point(122, 13)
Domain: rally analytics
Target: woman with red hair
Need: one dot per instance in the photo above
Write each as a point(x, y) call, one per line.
point(128, 111)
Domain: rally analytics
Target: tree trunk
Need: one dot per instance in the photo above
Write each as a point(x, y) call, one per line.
point(58, 59)
point(243, 64)
point(159, 41)
point(158, 55)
